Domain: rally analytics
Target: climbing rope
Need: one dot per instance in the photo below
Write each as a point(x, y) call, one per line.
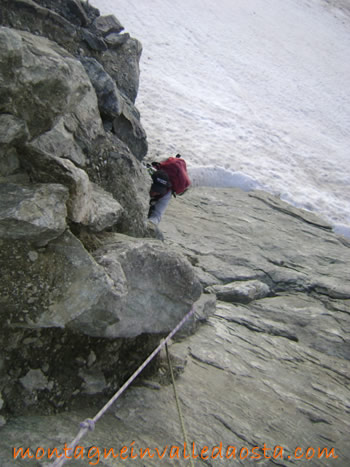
point(89, 424)
point(177, 400)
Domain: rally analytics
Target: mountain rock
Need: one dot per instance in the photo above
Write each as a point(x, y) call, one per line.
point(126, 126)
point(39, 98)
point(131, 287)
point(242, 291)
point(71, 179)
point(158, 286)
point(116, 40)
point(118, 171)
point(108, 24)
point(37, 214)
point(122, 64)
point(110, 101)
point(285, 265)
point(263, 380)
point(72, 10)
point(262, 366)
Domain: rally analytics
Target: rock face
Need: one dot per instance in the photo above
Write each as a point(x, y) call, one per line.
point(284, 265)
point(80, 32)
point(71, 181)
point(35, 213)
point(264, 377)
point(262, 366)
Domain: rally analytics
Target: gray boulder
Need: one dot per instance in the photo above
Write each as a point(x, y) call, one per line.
point(60, 142)
point(28, 15)
point(103, 212)
point(62, 276)
point(116, 40)
point(40, 98)
point(116, 108)
point(88, 204)
point(158, 286)
point(107, 25)
point(34, 380)
point(63, 22)
point(33, 213)
point(69, 136)
point(110, 101)
point(78, 27)
point(60, 304)
point(128, 128)
point(13, 132)
point(71, 10)
point(132, 287)
point(240, 291)
point(118, 171)
point(113, 74)
point(122, 64)
point(94, 43)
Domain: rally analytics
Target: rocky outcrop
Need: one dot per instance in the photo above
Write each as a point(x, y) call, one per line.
point(61, 299)
point(77, 28)
point(56, 130)
point(33, 213)
point(265, 376)
point(262, 366)
point(71, 181)
point(130, 287)
point(156, 286)
point(284, 270)
point(118, 171)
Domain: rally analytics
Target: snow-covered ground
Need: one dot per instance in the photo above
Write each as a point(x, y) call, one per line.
point(253, 93)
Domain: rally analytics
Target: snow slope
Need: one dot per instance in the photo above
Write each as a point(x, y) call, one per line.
point(253, 93)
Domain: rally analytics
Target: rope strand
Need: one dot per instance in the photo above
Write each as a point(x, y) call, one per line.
point(89, 424)
point(177, 400)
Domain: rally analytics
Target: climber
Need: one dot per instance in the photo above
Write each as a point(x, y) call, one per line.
point(169, 178)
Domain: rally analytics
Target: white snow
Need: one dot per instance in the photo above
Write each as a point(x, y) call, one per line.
point(252, 93)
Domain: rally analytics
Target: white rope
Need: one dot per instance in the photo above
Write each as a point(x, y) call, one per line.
point(89, 424)
point(177, 400)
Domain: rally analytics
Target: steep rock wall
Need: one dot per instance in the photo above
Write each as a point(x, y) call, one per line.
point(71, 182)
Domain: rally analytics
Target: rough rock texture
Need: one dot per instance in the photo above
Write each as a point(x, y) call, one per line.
point(41, 81)
point(108, 25)
point(266, 377)
point(53, 113)
point(79, 29)
point(132, 287)
point(243, 291)
point(110, 101)
point(122, 63)
point(126, 127)
point(119, 172)
point(264, 360)
point(71, 143)
point(157, 285)
point(34, 213)
point(52, 128)
point(293, 256)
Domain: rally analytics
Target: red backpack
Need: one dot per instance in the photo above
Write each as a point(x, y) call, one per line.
point(176, 169)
